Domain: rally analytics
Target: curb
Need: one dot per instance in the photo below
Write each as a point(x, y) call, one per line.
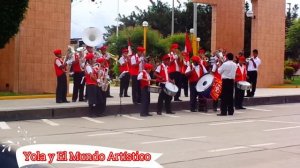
point(69, 112)
point(29, 97)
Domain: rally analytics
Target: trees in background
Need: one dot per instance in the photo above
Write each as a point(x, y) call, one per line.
point(159, 17)
point(12, 12)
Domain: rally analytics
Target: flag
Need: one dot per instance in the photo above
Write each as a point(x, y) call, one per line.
point(129, 47)
point(188, 46)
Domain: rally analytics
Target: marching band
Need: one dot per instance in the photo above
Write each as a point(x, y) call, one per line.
point(214, 77)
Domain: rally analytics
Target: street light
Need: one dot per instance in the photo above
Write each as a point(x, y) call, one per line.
point(145, 25)
point(198, 43)
point(194, 43)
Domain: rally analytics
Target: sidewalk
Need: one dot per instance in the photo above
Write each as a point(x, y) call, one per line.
point(46, 107)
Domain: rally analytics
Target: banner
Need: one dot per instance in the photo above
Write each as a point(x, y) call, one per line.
point(84, 154)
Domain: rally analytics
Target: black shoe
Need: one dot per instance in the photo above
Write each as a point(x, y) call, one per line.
point(126, 96)
point(100, 115)
point(243, 108)
point(81, 100)
point(66, 102)
point(215, 110)
point(143, 115)
point(186, 95)
point(120, 95)
point(177, 100)
point(221, 115)
point(149, 114)
point(110, 96)
point(59, 102)
point(237, 108)
point(193, 110)
point(158, 113)
point(170, 112)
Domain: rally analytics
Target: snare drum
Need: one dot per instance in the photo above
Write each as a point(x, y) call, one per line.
point(204, 85)
point(154, 89)
point(244, 85)
point(170, 89)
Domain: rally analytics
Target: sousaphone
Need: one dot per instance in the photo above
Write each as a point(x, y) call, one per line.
point(91, 36)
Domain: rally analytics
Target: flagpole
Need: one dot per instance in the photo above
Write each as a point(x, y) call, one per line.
point(118, 11)
point(172, 29)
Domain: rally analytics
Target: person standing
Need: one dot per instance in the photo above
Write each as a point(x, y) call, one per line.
point(93, 92)
point(135, 63)
point(194, 73)
point(162, 76)
point(60, 70)
point(227, 71)
point(77, 77)
point(174, 69)
point(106, 56)
point(184, 79)
point(218, 77)
point(124, 73)
point(241, 75)
point(144, 78)
point(253, 65)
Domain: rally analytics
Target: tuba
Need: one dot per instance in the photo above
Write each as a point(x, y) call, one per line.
point(91, 36)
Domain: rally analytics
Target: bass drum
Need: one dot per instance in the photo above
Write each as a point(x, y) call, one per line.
point(170, 89)
point(204, 85)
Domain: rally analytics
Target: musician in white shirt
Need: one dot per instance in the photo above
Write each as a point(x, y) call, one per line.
point(227, 71)
point(253, 65)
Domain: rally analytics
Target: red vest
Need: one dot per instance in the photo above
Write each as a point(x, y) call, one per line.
point(124, 67)
point(162, 74)
point(142, 82)
point(194, 76)
point(172, 66)
point(184, 67)
point(58, 71)
point(106, 63)
point(239, 76)
point(134, 69)
point(76, 65)
point(89, 80)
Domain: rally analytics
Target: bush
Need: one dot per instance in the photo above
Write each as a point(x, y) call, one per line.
point(288, 72)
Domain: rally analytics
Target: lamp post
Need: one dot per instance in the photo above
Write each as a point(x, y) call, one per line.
point(194, 43)
point(145, 25)
point(198, 43)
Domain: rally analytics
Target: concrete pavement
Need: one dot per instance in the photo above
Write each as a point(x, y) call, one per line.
point(260, 137)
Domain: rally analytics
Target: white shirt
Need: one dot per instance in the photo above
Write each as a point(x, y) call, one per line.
point(158, 69)
point(122, 60)
point(140, 76)
point(57, 62)
point(134, 59)
point(214, 67)
point(251, 66)
point(188, 69)
point(105, 56)
point(228, 70)
point(88, 69)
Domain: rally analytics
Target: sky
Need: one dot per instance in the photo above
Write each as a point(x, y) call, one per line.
point(88, 14)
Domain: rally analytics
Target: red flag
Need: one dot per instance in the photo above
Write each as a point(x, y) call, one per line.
point(129, 47)
point(188, 45)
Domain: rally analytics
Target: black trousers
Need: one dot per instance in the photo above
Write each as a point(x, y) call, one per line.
point(185, 84)
point(164, 98)
point(96, 99)
point(145, 101)
point(239, 97)
point(136, 89)
point(227, 97)
point(196, 97)
point(215, 104)
point(78, 86)
point(252, 78)
point(124, 84)
point(61, 88)
point(177, 77)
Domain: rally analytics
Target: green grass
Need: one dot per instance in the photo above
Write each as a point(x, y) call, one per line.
point(296, 81)
point(10, 94)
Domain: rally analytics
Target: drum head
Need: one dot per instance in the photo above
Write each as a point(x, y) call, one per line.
point(171, 87)
point(244, 83)
point(204, 83)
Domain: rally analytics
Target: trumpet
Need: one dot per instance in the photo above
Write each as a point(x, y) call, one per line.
point(103, 81)
point(114, 57)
